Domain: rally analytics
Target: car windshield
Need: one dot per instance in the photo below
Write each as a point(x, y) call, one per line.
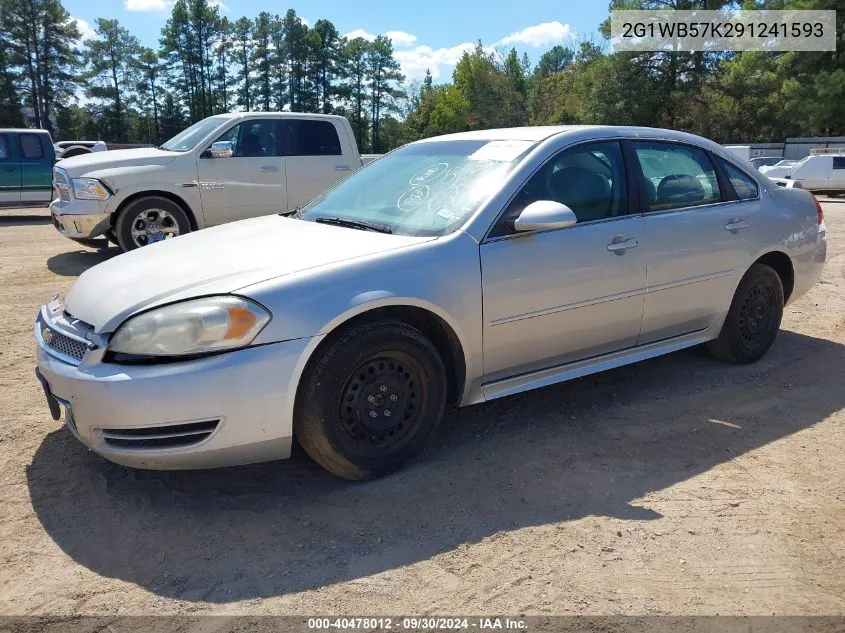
point(187, 139)
point(426, 189)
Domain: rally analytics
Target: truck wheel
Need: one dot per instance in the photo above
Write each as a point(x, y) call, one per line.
point(754, 317)
point(149, 220)
point(370, 400)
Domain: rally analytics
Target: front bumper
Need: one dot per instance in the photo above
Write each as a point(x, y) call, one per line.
point(242, 401)
point(81, 218)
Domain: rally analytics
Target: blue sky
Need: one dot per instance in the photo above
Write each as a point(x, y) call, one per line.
point(430, 34)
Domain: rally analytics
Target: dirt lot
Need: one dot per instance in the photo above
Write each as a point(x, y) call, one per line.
point(679, 485)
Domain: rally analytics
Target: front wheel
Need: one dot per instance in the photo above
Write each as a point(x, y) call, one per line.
point(149, 220)
point(754, 317)
point(370, 400)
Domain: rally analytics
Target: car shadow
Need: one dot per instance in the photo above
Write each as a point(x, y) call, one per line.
point(24, 220)
point(592, 446)
point(74, 263)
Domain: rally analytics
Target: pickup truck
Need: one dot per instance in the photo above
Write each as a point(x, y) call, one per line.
point(224, 168)
point(26, 166)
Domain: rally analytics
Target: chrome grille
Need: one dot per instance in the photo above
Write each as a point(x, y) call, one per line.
point(152, 437)
point(66, 345)
point(63, 336)
point(62, 184)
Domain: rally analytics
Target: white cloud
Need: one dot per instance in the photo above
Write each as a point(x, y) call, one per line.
point(146, 5)
point(360, 33)
point(540, 34)
point(401, 39)
point(416, 61)
point(85, 30)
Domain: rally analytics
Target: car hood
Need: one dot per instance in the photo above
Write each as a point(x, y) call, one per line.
point(84, 164)
point(216, 261)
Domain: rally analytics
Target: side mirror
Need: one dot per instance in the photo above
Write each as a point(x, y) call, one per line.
point(544, 215)
point(222, 149)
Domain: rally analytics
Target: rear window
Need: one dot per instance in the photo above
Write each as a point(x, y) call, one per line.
point(31, 146)
point(4, 147)
point(743, 184)
point(839, 162)
point(304, 137)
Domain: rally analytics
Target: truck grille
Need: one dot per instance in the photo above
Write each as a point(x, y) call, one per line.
point(152, 437)
point(61, 182)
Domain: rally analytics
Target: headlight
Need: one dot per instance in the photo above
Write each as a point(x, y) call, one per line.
point(89, 189)
point(191, 327)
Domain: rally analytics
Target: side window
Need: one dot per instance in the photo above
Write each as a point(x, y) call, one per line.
point(676, 176)
point(307, 137)
point(743, 184)
point(4, 147)
point(839, 162)
point(253, 138)
point(589, 179)
point(31, 146)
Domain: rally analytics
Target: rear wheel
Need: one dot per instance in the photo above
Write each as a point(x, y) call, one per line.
point(370, 400)
point(754, 317)
point(149, 220)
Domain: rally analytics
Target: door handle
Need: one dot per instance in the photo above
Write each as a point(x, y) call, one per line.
point(619, 246)
point(736, 224)
point(342, 168)
point(269, 168)
point(11, 169)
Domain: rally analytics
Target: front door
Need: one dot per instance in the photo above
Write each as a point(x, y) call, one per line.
point(251, 182)
point(697, 232)
point(558, 296)
point(10, 172)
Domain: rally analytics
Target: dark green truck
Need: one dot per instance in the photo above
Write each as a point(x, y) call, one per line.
point(26, 167)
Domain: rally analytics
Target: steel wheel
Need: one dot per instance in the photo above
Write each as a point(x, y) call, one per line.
point(755, 316)
point(153, 225)
point(382, 399)
point(370, 398)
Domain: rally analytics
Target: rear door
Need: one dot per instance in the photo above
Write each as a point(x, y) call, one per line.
point(251, 182)
point(36, 155)
point(697, 233)
point(10, 171)
point(315, 157)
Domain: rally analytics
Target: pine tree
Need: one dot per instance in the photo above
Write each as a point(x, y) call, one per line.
point(112, 58)
point(243, 45)
point(383, 73)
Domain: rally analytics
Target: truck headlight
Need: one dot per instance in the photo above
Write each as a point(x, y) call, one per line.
point(89, 189)
point(197, 326)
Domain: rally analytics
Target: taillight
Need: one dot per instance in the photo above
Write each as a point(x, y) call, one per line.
point(819, 212)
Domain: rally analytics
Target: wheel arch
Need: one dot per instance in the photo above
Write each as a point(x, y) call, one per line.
point(440, 329)
point(782, 265)
point(152, 193)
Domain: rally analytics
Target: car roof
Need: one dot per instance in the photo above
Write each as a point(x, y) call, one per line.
point(275, 115)
point(578, 132)
point(7, 130)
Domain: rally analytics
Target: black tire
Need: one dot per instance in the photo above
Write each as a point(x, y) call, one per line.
point(386, 367)
point(754, 317)
point(97, 243)
point(123, 225)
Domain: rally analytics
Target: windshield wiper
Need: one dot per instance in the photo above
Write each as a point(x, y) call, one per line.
point(355, 224)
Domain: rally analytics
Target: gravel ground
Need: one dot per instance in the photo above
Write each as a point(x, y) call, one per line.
point(676, 486)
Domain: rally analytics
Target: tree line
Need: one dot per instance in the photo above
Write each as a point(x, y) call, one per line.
point(206, 64)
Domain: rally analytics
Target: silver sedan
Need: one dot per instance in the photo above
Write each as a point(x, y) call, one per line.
point(456, 269)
